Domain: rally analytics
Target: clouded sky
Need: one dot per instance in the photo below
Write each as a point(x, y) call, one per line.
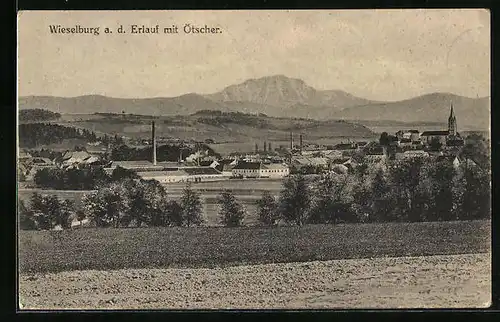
point(375, 54)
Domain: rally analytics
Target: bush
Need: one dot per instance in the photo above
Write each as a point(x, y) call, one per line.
point(268, 210)
point(231, 211)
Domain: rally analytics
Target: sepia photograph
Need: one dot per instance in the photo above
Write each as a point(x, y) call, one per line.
point(253, 159)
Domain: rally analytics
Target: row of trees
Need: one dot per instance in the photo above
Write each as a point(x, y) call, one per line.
point(34, 134)
point(37, 114)
point(84, 178)
point(405, 191)
point(163, 152)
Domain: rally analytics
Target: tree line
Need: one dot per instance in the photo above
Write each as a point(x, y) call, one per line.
point(83, 178)
point(37, 114)
point(34, 134)
point(409, 191)
point(163, 152)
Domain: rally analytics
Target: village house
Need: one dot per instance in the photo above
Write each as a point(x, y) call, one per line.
point(260, 170)
point(75, 158)
point(184, 174)
point(300, 162)
point(412, 135)
point(410, 154)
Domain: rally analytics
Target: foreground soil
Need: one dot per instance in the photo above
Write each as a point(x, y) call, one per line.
point(443, 281)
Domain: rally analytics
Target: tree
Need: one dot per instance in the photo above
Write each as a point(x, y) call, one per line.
point(108, 206)
point(441, 207)
point(50, 211)
point(231, 211)
point(331, 203)
point(192, 210)
point(173, 213)
point(476, 199)
point(381, 207)
point(384, 139)
point(435, 144)
point(268, 210)
point(26, 217)
point(405, 178)
point(40, 211)
point(146, 202)
point(295, 199)
point(477, 148)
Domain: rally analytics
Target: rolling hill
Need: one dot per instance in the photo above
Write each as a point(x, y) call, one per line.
point(471, 113)
point(280, 96)
point(220, 126)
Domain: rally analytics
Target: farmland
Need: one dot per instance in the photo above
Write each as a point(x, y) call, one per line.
point(104, 249)
point(442, 281)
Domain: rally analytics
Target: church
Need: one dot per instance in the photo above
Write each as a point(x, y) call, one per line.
point(450, 137)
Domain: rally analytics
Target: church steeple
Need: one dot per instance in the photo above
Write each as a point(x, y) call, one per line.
point(452, 122)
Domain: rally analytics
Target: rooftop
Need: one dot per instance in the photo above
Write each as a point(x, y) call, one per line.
point(247, 166)
point(275, 166)
point(200, 170)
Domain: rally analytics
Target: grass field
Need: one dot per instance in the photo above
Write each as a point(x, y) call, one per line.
point(103, 249)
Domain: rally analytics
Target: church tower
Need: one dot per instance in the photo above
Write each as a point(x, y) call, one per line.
point(452, 123)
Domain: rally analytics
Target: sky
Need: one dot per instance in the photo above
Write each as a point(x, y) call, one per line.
point(376, 54)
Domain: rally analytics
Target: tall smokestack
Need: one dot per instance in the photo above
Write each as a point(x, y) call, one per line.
point(291, 140)
point(153, 138)
point(300, 141)
point(265, 146)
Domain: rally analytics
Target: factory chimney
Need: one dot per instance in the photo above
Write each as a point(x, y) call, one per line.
point(300, 142)
point(153, 139)
point(265, 146)
point(291, 140)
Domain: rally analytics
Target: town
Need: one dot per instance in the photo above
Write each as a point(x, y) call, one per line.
point(264, 162)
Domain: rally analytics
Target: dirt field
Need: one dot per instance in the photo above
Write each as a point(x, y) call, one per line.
point(208, 247)
point(407, 282)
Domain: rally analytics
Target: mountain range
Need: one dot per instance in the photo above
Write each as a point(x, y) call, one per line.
point(281, 96)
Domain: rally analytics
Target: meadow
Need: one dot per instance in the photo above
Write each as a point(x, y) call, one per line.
point(195, 247)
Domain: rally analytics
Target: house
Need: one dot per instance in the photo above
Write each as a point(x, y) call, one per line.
point(185, 174)
point(75, 158)
point(441, 136)
point(24, 156)
point(164, 176)
point(412, 154)
point(412, 135)
point(339, 169)
point(307, 161)
point(226, 169)
point(42, 162)
point(209, 163)
point(247, 169)
point(375, 155)
point(333, 154)
point(260, 170)
point(405, 142)
point(274, 170)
